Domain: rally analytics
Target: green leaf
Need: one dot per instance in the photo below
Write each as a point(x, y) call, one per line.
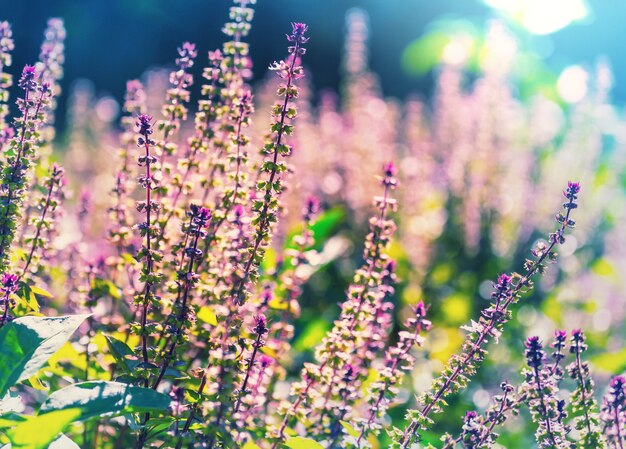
point(327, 222)
point(10, 420)
point(610, 362)
point(39, 431)
point(98, 398)
point(302, 443)
point(207, 315)
point(351, 430)
point(41, 292)
point(28, 342)
point(120, 352)
point(250, 445)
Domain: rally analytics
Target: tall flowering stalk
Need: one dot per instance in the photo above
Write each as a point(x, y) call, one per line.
point(584, 405)
point(6, 80)
point(230, 68)
point(120, 229)
point(613, 413)
point(540, 394)
point(174, 110)
point(258, 331)
point(50, 66)
point(149, 253)
point(508, 290)
point(478, 431)
point(266, 207)
point(187, 279)
point(350, 330)
point(9, 285)
point(20, 151)
point(398, 361)
point(44, 223)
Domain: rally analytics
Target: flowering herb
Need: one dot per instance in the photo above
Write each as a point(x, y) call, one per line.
point(507, 291)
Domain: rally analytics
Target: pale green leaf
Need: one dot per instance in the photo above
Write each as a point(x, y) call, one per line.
point(98, 398)
point(28, 342)
point(302, 443)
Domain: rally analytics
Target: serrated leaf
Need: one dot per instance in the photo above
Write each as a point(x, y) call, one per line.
point(28, 342)
point(99, 398)
point(302, 443)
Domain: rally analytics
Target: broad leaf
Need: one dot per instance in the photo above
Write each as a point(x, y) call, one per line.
point(99, 398)
point(28, 342)
point(120, 352)
point(39, 431)
point(11, 420)
point(302, 443)
point(250, 445)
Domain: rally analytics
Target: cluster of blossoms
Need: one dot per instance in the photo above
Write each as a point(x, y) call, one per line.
point(215, 295)
point(349, 344)
point(540, 394)
point(507, 291)
point(6, 46)
point(613, 412)
point(18, 156)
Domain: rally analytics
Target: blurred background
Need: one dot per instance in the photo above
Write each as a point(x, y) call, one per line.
point(117, 40)
point(487, 107)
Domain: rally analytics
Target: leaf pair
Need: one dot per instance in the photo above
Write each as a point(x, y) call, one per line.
point(27, 343)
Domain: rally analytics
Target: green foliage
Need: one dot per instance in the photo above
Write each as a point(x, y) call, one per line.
point(302, 443)
point(28, 342)
point(37, 432)
point(98, 398)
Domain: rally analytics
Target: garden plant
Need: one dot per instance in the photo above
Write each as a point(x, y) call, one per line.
point(174, 293)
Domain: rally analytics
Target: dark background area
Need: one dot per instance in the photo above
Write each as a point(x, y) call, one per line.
point(114, 40)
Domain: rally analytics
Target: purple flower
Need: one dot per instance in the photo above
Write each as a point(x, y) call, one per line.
point(144, 123)
point(573, 187)
point(390, 170)
point(265, 361)
point(260, 325)
point(27, 81)
point(203, 216)
point(311, 208)
point(298, 30)
point(534, 352)
point(389, 178)
point(420, 309)
point(9, 282)
point(504, 282)
point(187, 52)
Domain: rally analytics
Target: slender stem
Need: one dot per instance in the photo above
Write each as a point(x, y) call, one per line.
point(16, 164)
point(38, 230)
point(5, 313)
point(192, 412)
point(181, 316)
point(583, 393)
point(383, 390)
point(148, 285)
point(414, 426)
point(494, 421)
point(264, 222)
point(256, 345)
point(544, 408)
